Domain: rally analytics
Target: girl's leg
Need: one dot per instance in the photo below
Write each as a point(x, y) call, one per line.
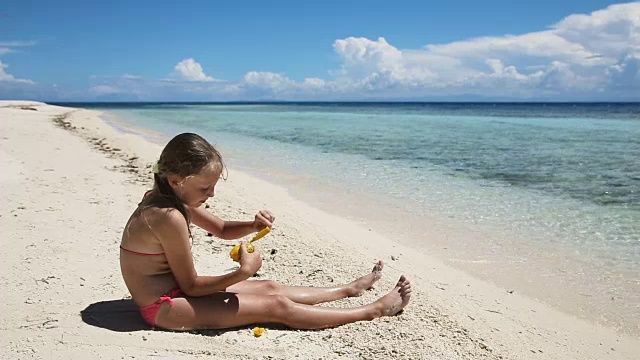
point(310, 295)
point(226, 310)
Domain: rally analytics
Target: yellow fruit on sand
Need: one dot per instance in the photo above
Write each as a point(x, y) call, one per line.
point(258, 331)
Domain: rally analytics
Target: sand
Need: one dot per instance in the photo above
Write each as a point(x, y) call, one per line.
point(70, 181)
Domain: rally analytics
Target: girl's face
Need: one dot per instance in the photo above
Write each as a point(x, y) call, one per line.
point(194, 190)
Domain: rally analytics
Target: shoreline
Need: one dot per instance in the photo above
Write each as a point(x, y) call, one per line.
point(452, 315)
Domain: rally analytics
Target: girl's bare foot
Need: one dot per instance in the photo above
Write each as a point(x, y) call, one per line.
point(358, 287)
point(396, 299)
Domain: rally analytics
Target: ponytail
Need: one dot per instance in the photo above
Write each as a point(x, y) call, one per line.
point(166, 191)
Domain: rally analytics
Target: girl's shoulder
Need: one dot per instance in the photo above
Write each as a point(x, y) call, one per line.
point(152, 199)
point(162, 212)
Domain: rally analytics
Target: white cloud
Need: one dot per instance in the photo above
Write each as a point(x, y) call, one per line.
point(4, 76)
point(544, 44)
point(626, 73)
point(6, 47)
point(364, 54)
point(267, 80)
point(190, 70)
point(585, 52)
point(314, 84)
point(611, 32)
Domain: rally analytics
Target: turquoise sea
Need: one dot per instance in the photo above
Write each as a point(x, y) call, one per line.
point(563, 176)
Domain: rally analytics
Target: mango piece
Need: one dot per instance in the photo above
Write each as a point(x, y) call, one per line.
point(262, 233)
point(235, 252)
point(258, 331)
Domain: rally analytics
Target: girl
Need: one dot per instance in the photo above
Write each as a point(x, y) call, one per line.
point(158, 269)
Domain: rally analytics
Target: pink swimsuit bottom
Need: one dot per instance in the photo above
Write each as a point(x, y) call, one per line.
point(150, 312)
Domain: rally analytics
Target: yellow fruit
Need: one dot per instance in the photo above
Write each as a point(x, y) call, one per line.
point(262, 233)
point(235, 252)
point(258, 331)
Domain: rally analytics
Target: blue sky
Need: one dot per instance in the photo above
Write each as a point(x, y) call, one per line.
point(329, 50)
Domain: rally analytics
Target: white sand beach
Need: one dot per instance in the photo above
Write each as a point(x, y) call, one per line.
point(69, 183)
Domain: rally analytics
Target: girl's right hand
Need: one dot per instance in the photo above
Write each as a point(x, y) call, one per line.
point(250, 263)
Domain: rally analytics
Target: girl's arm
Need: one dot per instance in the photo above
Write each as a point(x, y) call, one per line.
point(174, 237)
point(229, 230)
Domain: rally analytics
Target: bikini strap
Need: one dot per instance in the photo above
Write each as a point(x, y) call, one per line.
point(149, 226)
point(140, 253)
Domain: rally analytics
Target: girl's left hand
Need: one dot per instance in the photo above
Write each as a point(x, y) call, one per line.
point(263, 219)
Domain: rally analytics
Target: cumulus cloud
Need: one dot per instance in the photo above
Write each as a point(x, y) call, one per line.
point(543, 44)
point(611, 32)
point(190, 70)
point(267, 80)
point(4, 76)
point(264, 84)
point(7, 47)
point(626, 73)
point(589, 52)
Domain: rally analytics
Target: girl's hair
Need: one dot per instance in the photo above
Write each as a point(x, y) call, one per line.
point(185, 155)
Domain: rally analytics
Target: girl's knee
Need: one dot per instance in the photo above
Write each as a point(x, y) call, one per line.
point(270, 287)
point(280, 305)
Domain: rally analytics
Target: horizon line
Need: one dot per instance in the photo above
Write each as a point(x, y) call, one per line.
point(345, 102)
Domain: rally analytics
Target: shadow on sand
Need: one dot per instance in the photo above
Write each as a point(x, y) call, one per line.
point(124, 316)
point(115, 315)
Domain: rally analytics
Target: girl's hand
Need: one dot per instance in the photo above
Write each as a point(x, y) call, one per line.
point(250, 263)
point(263, 219)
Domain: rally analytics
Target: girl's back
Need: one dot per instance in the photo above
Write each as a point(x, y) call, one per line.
point(144, 266)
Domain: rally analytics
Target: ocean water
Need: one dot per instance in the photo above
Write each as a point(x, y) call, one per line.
point(565, 176)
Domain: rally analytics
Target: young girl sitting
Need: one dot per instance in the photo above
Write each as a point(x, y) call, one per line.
point(158, 269)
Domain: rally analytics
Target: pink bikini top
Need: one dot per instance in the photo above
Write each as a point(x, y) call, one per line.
point(139, 253)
